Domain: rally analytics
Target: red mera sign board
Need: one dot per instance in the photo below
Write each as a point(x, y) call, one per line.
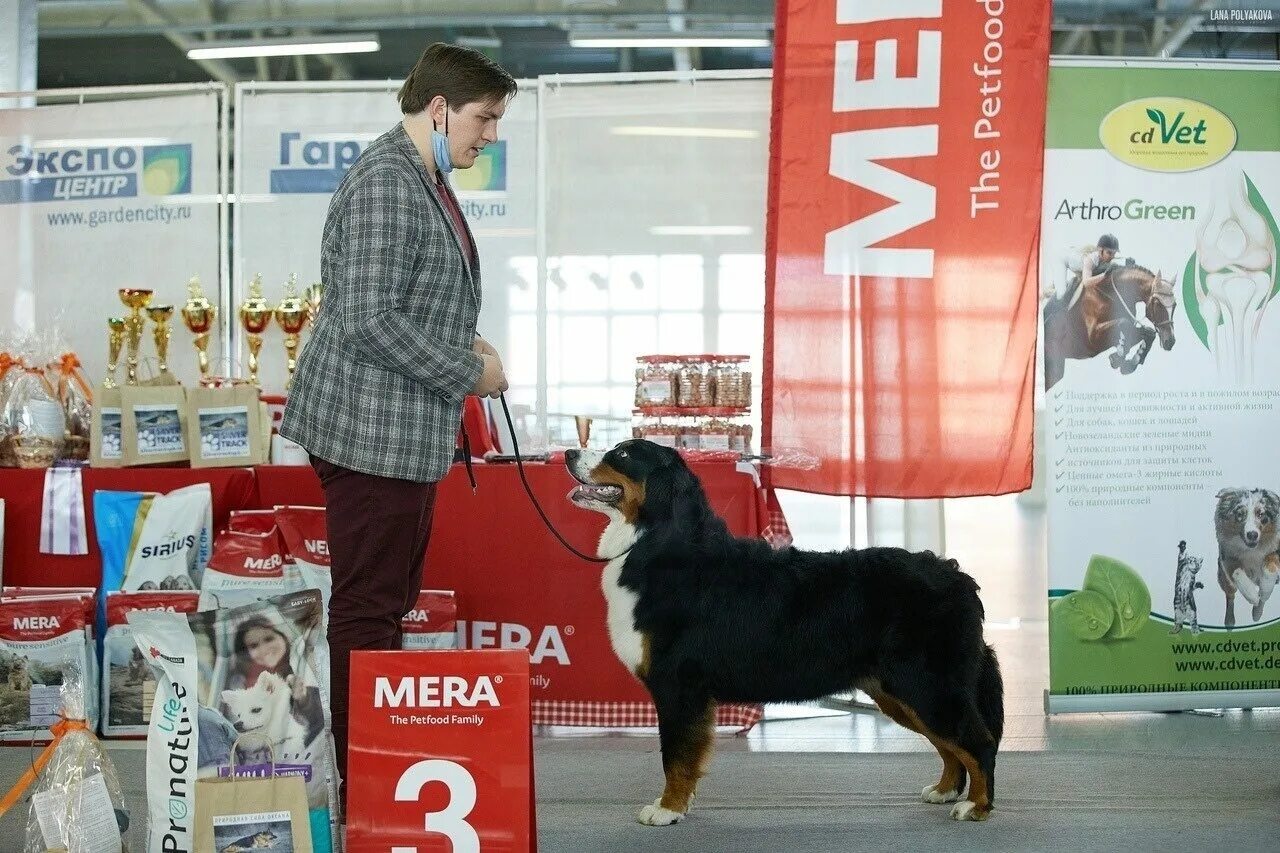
point(440, 754)
point(902, 243)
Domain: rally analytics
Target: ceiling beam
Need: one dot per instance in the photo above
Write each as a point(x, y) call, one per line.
point(218, 68)
point(1170, 44)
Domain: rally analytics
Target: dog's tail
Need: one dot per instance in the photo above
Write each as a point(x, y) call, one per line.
point(990, 697)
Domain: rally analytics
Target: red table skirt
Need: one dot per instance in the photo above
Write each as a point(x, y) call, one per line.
point(515, 584)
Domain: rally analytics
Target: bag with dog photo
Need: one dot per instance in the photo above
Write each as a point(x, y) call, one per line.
point(153, 424)
point(128, 681)
point(241, 812)
point(246, 670)
point(224, 426)
point(41, 639)
point(106, 436)
point(167, 551)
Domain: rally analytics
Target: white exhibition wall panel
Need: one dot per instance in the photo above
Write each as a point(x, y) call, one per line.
point(102, 195)
point(654, 220)
point(294, 146)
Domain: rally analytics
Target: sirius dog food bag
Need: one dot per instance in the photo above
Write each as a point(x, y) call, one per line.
point(128, 680)
point(166, 552)
point(432, 623)
point(245, 672)
point(40, 637)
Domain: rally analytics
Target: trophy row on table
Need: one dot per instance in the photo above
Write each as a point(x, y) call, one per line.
point(292, 313)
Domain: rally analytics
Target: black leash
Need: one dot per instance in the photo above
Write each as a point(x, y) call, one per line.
point(529, 491)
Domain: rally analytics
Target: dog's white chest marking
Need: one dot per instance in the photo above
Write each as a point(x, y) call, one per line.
point(628, 644)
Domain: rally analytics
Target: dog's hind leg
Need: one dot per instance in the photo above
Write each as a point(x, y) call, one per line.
point(951, 785)
point(686, 729)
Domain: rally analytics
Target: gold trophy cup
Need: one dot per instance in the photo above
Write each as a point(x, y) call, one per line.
point(199, 315)
point(255, 316)
point(135, 299)
point(584, 429)
point(115, 343)
point(291, 314)
point(313, 295)
point(160, 316)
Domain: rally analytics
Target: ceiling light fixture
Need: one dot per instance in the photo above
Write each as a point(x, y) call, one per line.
point(698, 132)
point(296, 46)
point(700, 230)
point(618, 40)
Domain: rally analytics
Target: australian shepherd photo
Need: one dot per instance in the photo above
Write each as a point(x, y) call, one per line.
point(701, 616)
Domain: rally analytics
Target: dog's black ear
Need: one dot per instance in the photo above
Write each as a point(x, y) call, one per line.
point(671, 491)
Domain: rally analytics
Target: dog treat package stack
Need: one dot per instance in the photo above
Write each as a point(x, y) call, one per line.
point(128, 680)
point(45, 633)
point(77, 803)
point(248, 672)
point(432, 623)
point(707, 408)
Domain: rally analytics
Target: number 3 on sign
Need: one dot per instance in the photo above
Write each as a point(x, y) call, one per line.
point(462, 799)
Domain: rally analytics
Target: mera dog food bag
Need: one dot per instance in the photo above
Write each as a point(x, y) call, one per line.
point(40, 638)
point(172, 542)
point(432, 623)
point(128, 680)
point(245, 672)
point(245, 567)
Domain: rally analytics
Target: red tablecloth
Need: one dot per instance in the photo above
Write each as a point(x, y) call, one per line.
point(23, 495)
point(516, 585)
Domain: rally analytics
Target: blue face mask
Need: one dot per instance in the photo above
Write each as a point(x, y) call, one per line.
point(440, 145)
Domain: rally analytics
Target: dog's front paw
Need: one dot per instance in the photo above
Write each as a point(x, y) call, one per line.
point(1257, 611)
point(656, 815)
point(931, 794)
point(968, 810)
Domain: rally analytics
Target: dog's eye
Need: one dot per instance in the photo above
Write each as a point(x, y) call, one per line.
point(622, 454)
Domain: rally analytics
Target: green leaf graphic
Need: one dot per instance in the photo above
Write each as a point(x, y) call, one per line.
point(1156, 116)
point(1260, 205)
point(1088, 615)
point(1126, 591)
point(1191, 300)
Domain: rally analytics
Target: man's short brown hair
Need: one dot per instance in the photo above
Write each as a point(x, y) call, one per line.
point(461, 74)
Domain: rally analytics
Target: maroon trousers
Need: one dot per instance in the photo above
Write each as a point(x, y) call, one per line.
point(378, 530)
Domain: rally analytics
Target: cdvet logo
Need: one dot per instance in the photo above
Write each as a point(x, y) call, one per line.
point(69, 174)
point(1167, 134)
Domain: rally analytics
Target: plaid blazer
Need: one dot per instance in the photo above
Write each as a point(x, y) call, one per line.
point(380, 383)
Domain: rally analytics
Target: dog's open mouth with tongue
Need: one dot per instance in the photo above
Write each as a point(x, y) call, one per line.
point(581, 464)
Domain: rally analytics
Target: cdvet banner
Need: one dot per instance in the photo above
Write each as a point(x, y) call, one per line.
point(99, 196)
point(905, 177)
point(1162, 191)
point(293, 149)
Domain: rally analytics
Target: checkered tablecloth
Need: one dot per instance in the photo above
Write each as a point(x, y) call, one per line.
point(609, 715)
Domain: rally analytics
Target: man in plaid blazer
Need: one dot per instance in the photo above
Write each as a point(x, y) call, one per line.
point(377, 396)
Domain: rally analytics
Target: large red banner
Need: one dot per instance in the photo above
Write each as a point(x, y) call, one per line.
point(904, 209)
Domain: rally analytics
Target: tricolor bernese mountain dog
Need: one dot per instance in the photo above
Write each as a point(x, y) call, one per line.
point(701, 616)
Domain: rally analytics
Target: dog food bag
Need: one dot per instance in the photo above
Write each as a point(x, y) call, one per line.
point(246, 672)
point(40, 637)
point(166, 552)
point(252, 520)
point(86, 598)
point(245, 567)
point(129, 682)
point(305, 535)
point(432, 623)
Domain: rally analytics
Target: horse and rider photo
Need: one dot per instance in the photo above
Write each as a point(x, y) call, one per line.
point(1109, 307)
